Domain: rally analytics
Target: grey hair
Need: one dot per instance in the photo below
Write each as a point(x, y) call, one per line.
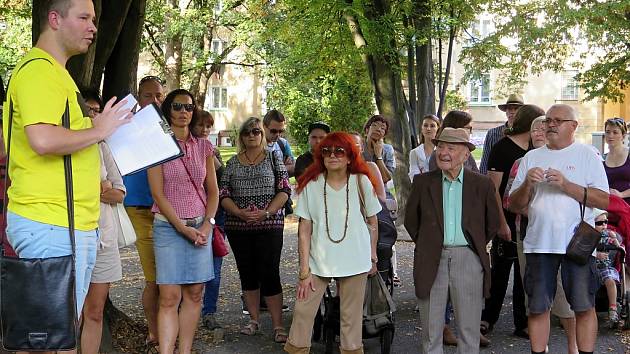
point(570, 110)
point(540, 119)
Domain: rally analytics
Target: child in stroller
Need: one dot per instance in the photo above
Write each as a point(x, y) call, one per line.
point(609, 254)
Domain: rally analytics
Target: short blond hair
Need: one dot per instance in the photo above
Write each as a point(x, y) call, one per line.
point(249, 123)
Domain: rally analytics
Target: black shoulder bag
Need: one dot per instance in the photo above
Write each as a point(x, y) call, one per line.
point(585, 239)
point(38, 303)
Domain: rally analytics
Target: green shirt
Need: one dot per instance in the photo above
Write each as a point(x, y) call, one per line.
point(452, 205)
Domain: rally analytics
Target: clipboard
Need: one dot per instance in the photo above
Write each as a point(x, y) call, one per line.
point(145, 142)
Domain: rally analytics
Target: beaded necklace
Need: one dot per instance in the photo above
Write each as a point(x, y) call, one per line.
point(345, 227)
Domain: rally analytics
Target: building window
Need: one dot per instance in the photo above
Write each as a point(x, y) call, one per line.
point(479, 90)
point(569, 90)
point(217, 98)
point(478, 30)
point(217, 46)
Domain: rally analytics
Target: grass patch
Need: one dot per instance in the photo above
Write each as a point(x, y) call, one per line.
point(477, 153)
point(227, 152)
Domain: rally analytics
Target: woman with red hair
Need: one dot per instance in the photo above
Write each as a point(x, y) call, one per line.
point(337, 238)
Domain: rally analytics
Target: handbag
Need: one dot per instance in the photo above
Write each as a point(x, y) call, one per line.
point(378, 306)
point(585, 239)
point(126, 233)
point(37, 295)
point(219, 248)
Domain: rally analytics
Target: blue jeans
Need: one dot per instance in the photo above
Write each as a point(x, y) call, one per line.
point(211, 293)
point(32, 239)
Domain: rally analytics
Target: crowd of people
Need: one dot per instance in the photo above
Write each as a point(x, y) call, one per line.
point(524, 199)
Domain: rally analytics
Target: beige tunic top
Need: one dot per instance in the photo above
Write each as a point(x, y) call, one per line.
point(108, 230)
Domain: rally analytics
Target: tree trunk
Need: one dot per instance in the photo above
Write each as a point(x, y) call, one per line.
point(122, 67)
point(35, 26)
point(447, 71)
point(389, 95)
point(81, 66)
point(425, 78)
point(173, 51)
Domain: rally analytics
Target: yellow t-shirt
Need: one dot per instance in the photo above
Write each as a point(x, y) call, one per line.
point(39, 92)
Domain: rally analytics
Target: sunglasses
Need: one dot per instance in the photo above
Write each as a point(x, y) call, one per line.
point(179, 106)
point(601, 222)
point(339, 152)
point(277, 131)
point(556, 122)
point(149, 78)
point(254, 131)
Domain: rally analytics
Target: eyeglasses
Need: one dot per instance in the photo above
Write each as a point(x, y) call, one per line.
point(601, 222)
point(556, 121)
point(149, 78)
point(339, 152)
point(179, 106)
point(277, 131)
point(254, 131)
point(539, 130)
point(94, 110)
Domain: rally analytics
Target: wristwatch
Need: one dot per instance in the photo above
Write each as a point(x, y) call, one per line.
point(211, 221)
point(379, 158)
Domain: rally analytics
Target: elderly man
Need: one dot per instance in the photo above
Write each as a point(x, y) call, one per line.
point(451, 215)
point(513, 103)
point(551, 183)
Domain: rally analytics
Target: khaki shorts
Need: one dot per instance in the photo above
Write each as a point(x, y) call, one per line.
point(107, 268)
point(142, 220)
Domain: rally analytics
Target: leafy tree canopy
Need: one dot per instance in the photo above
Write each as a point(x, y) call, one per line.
point(588, 35)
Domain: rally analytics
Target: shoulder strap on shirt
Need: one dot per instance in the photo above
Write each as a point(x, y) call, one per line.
point(283, 147)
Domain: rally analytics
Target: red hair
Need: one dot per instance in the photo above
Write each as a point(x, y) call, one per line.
point(337, 139)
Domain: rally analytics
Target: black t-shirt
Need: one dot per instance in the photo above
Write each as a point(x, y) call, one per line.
point(302, 163)
point(502, 157)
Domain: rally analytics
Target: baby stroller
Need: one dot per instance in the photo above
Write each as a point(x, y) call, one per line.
point(378, 311)
point(618, 221)
point(623, 295)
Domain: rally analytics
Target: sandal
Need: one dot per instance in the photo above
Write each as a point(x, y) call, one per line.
point(396, 281)
point(152, 346)
point(484, 327)
point(280, 335)
point(251, 328)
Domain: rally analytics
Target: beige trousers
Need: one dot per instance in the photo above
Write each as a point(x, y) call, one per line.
point(352, 292)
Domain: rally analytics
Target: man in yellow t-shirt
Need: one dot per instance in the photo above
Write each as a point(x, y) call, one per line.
point(39, 92)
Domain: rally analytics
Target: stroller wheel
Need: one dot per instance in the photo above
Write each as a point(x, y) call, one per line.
point(387, 337)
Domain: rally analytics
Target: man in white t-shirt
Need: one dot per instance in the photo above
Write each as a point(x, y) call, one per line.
point(550, 185)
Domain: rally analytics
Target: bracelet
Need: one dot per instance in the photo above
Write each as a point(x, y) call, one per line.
point(303, 276)
point(267, 214)
point(374, 260)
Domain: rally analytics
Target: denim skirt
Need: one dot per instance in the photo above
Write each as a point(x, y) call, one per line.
point(177, 260)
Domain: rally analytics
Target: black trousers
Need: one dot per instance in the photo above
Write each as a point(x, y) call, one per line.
point(502, 262)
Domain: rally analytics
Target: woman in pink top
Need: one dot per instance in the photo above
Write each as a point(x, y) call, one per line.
point(186, 198)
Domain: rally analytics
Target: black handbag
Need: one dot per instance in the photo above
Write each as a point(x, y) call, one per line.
point(37, 296)
point(585, 239)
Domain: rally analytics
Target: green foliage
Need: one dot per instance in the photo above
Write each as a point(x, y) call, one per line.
point(539, 35)
point(314, 69)
point(15, 34)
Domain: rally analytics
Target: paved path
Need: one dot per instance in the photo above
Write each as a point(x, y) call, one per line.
point(126, 295)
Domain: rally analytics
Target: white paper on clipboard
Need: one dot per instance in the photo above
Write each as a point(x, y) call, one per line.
point(144, 142)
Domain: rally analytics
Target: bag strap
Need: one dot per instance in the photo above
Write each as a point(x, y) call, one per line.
point(583, 204)
point(361, 196)
point(193, 183)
